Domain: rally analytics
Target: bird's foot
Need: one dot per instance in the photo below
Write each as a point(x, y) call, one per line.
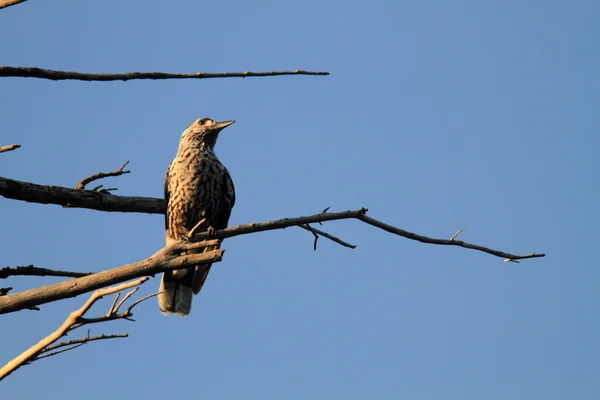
point(211, 232)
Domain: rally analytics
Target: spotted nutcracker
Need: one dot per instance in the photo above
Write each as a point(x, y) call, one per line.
point(197, 187)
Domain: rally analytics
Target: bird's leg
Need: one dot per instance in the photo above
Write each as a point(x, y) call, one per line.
point(211, 231)
point(192, 231)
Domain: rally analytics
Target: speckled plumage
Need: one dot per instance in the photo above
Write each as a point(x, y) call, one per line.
point(197, 186)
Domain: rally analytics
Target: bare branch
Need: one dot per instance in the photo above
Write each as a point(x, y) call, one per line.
point(169, 259)
point(30, 270)
point(425, 239)
point(10, 147)
point(32, 72)
point(8, 3)
point(73, 198)
point(100, 175)
point(47, 352)
point(166, 259)
point(328, 236)
point(31, 353)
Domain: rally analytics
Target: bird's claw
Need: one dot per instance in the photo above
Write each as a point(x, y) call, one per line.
point(211, 232)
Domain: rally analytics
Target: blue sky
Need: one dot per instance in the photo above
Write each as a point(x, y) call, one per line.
point(437, 115)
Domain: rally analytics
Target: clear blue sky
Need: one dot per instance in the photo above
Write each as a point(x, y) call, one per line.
point(437, 115)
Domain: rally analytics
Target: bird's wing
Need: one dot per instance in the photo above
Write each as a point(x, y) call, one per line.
point(223, 215)
point(167, 195)
point(228, 200)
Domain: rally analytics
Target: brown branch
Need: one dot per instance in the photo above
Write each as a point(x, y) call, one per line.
point(81, 184)
point(30, 270)
point(8, 3)
point(165, 259)
point(31, 353)
point(10, 147)
point(73, 198)
point(32, 72)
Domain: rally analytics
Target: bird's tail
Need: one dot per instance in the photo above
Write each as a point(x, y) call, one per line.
point(175, 295)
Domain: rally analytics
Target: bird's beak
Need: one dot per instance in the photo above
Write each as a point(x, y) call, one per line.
point(220, 125)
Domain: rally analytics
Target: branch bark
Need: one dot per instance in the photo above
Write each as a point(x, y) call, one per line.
point(32, 72)
point(67, 197)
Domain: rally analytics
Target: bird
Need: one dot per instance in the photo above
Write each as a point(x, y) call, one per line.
point(199, 195)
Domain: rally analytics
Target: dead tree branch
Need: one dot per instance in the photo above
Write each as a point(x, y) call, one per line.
point(8, 3)
point(9, 147)
point(99, 175)
point(166, 259)
point(73, 321)
point(75, 343)
point(73, 198)
point(30, 270)
point(316, 232)
point(169, 258)
point(32, 72)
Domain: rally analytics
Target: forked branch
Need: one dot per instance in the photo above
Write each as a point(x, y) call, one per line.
point(99, 175)
point(46, 346)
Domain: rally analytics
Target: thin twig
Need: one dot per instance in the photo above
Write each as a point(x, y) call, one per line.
point(32, 72)
point(457, 233)
point(311, 230)
point(192, 231)
point(112, 306)
point(329, 236)
point(128, 295)
point(75, 343)
point(10, 147)
point(99, 175)
point(30, 270)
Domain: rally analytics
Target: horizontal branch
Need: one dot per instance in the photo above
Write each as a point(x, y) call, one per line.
point(67, 197)
point(165, 259)
point(30, 270)
point(32, 72)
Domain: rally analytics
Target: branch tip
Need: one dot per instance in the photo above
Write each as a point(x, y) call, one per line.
point(456, 234)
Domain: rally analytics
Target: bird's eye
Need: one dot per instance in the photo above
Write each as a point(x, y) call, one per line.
point(201, 121)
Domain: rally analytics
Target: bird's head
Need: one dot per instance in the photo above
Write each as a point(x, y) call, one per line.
point(203, 133)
